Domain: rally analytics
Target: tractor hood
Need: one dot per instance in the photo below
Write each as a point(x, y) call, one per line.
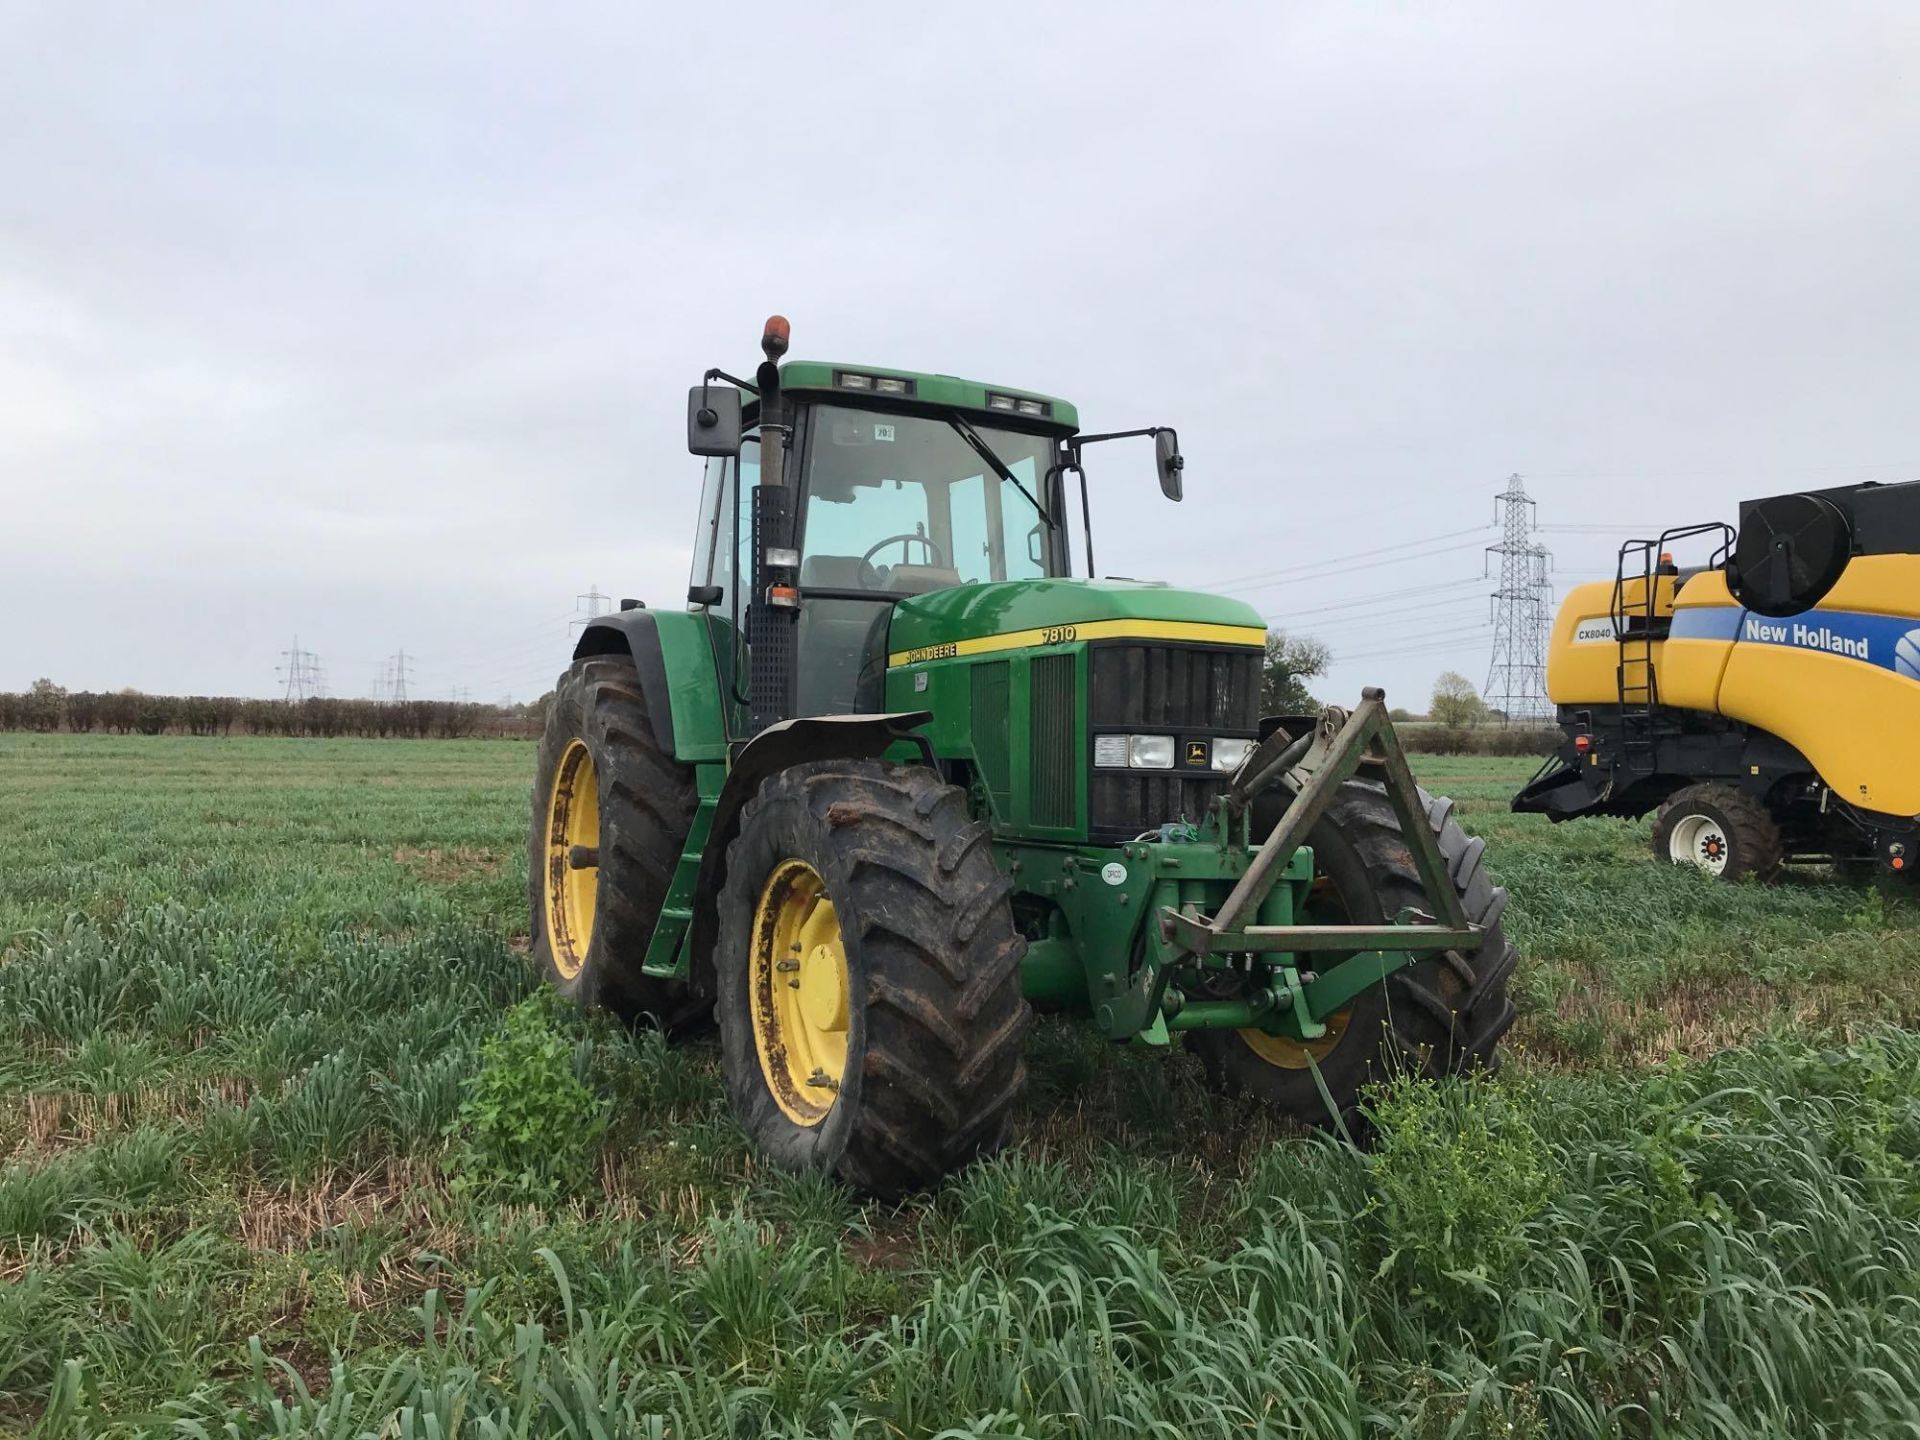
point(1015, 614)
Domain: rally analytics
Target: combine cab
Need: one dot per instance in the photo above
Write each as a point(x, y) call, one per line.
point(896, 776)
point(1766, 705)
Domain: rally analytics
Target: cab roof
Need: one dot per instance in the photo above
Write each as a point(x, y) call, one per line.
point(930, 389)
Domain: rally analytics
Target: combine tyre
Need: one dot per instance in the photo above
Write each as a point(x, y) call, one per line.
point(1719, 829)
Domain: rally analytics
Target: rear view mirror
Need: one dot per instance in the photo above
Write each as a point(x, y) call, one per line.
point(1169, 462)
point(713, 420)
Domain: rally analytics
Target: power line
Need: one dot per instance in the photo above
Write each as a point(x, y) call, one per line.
point(1437, 632)
point(1384, 597)
point(1262, 576)
point(1438, 610)
point(1584, 528)
point(1351, 569)
point(1425, 647)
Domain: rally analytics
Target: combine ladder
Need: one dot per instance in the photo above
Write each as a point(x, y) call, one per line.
point(1635, 684)
point(1638, 625)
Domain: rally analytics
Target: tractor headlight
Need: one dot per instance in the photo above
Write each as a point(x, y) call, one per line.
point(1227, 754)
point(1150, 752)
point(1110, 751)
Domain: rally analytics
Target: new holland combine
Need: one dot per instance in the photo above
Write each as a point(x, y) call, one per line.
point(896, 776)
point(1766, 704)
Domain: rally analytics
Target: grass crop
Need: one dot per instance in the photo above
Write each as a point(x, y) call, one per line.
point(290, 1145)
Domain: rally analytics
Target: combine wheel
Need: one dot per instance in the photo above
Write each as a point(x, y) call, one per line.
point(1443, 1014)
point(868, 973)
point(611, 810)
point(1719, 829)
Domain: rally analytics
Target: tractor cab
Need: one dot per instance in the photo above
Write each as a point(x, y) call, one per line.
point(888, 484)
point(890, 501)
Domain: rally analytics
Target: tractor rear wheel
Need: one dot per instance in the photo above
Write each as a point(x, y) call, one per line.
point(1719, 829)
point(611, 809)
point(868, 973)
point(1444, 1014)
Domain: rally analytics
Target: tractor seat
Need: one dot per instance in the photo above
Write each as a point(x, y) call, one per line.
point(906, 579)
point(835, 572)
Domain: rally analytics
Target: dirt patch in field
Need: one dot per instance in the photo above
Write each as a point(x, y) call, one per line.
point(889, 1247)
point(439, 866)
point(45, 1124)
point(311, 1366)
point(1699, 1017)
point(285, 1219)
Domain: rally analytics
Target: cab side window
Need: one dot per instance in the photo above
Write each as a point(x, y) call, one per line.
point(720, 555)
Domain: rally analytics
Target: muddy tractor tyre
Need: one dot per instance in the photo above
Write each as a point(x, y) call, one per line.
point(868, 976)
point(611, 810)
point(1444, 1014)
point(1719, 829)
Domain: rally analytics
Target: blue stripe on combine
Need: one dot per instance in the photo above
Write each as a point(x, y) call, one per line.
point(1890, 642)
point(1706, 622)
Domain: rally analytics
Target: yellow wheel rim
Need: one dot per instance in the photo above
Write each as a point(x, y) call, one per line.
point(573, 859)
point(797, 981)
point(1290, 1054)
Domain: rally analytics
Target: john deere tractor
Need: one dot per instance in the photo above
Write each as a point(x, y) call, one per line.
point(896, 777)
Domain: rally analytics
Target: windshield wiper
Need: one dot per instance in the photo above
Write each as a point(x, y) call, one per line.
point(994, 463)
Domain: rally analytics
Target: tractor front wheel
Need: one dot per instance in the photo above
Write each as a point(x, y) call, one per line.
point(868, 974)
point(611, 809)
point(1443, 1014)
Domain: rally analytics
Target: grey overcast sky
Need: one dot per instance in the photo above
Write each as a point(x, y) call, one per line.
point(372, 323)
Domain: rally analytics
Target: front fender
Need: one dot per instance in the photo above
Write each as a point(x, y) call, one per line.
point(777, 748)
point(672, 651)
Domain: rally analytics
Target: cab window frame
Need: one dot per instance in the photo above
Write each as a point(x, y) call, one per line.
point(1055, 561)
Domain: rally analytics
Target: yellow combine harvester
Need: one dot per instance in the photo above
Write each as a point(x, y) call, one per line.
point(1766, 704)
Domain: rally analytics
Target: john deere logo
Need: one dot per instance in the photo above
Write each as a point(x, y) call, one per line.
point(1196, 752)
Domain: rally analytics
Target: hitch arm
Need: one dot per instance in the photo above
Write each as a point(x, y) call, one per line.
point(1368, 726)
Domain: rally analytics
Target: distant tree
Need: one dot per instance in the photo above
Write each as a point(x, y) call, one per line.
point(1456, 704)
point(118, 710)
point(83, 711)
point(1291, 661)
point(46, 703)
point(156, 714)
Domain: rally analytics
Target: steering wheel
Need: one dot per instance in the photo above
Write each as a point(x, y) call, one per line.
point(934, 554)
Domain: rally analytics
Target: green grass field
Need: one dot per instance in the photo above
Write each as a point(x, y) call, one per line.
point(248, 986)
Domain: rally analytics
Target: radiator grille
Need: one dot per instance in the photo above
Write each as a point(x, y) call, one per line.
point(1056, 757)
point(991, 749)
point(1178, 690)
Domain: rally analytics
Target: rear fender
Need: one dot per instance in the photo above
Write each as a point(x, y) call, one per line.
point(672, 652)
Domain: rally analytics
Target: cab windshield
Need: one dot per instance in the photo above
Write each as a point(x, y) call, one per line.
point(900, 505)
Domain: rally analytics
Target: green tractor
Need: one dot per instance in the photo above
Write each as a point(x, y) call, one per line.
point(896, 778)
